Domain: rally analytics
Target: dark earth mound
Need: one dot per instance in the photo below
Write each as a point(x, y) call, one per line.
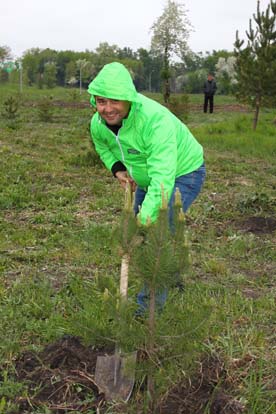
point(61, 378)
point(258, 225)
point(207, 389)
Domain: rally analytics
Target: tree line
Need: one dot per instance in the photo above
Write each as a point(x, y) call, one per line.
point(49, 68)
point(169, 65)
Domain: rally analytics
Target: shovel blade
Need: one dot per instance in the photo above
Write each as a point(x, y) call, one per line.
point(115, 376)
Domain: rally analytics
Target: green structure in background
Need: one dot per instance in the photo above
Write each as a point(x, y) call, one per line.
point(9, 66)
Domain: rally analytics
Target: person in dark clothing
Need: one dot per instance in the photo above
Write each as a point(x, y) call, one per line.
point(209, 90)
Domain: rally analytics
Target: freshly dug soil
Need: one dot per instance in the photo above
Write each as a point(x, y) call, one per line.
point(258, 225)
point(209, 388)
point(61, 377)
point(63, 374)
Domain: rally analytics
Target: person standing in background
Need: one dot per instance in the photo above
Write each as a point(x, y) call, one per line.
point(209, 90)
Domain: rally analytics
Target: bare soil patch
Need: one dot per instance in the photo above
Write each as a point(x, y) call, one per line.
point(209, 388)
point(258, 225)
point(61, 377)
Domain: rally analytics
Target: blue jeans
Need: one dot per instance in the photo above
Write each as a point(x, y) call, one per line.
point(189, 186)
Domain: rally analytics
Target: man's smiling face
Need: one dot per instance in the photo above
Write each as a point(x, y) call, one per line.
point(112, 110)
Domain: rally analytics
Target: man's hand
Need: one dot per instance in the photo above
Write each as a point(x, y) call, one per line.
point(124, 178)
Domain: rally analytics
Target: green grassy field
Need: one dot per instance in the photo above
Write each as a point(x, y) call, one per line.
point(59, 262)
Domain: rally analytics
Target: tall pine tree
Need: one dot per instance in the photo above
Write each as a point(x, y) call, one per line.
point(256, 62)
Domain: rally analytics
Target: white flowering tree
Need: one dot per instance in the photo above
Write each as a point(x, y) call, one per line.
point(170, 35)
point(226, 74)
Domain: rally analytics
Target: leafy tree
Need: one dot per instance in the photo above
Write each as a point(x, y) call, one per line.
point(106, 53)
point(30, 63)
point(50, 72)
point(170, 34)
point(135, 68)
point(70, 73)
point(64, 58)
point(151, 68)
point(193, 71)
point(47, 59)
point(5, 55)
point(256, 63)
point(126, 53)
point(209, 60)
point(192, 61)
point(192, 82)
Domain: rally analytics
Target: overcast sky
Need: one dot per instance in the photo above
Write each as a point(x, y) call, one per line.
point(83, 24)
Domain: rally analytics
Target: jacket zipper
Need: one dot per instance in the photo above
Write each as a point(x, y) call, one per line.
point(123, 157)
point(120, 146)
point(130, 171)
point(121, 149)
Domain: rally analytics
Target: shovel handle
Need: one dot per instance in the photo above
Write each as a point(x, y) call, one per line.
point(124, 276)
point(123, 293)
point(125, 259)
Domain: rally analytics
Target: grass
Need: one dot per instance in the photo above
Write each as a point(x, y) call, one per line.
point(59, 208)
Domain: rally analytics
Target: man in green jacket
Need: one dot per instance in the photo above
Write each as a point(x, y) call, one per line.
point(142, 142)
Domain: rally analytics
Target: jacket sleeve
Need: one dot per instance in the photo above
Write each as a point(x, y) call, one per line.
point(161, 148)
point(101, 146)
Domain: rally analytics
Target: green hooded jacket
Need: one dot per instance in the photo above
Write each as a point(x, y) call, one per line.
point(152, 143)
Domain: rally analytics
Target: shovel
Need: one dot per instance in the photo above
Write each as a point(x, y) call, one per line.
point(115, 374)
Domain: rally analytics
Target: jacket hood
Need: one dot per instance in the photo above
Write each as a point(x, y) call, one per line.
point(113, 82)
